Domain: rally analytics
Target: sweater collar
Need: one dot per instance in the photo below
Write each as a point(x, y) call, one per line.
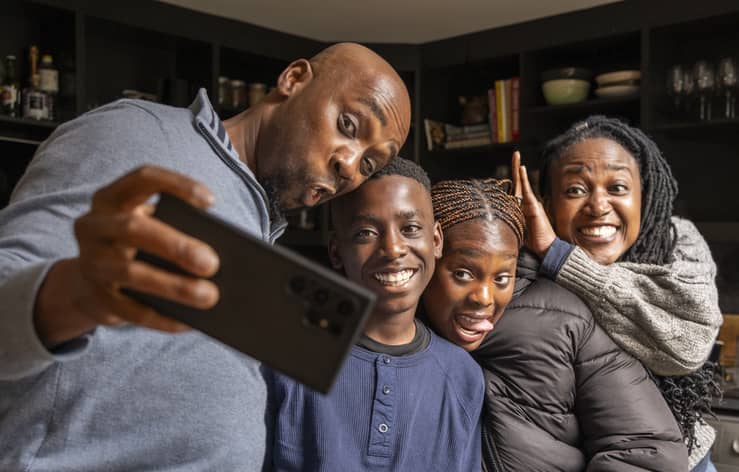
point(208, 122)
point(204, 113)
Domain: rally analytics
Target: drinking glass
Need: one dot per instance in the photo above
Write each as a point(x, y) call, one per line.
point(675, 81)
point(727, 84)
point(704, 83)
point(688, 90)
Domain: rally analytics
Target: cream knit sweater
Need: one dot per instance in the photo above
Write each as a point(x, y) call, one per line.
point(665, 316)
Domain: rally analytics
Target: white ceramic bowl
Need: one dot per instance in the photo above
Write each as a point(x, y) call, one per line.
point(563, 91)
point(619, 77)
point(614, 91)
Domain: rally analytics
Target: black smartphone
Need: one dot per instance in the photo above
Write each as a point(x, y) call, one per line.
point(275, 305)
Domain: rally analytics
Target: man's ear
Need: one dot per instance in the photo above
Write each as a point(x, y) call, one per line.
point(438, 240)
point(294, 77)
point(333, 252)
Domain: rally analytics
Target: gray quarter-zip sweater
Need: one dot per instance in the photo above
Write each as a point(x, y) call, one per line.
point(124, 398)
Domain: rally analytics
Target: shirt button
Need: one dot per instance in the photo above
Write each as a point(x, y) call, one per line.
point(383, 428)
point(386, 389)
point(386, 359)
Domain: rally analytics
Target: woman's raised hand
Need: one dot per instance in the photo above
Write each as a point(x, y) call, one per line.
point(539, 232)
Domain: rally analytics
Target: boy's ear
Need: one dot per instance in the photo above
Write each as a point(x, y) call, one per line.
point(333, 252)
point(438, 240)
point(294, 77)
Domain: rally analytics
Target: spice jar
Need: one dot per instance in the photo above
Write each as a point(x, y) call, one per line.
point(238, 94)
point(257, 91)
point(224, 91)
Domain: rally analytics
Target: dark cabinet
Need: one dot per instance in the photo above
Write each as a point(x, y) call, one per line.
point(102, 48)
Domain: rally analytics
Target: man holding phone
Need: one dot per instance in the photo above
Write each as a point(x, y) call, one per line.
point(84, 384)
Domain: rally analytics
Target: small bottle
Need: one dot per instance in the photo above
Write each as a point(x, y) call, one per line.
point(238, 95)
point(34, 100)
point(49, 78)
point(257, 91)
point(10, 90)
point(224, 91)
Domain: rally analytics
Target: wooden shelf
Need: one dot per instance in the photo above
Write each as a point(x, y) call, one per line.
point(509, 146)
point(588, 105)
point(696, 125)
point(29, 122)
point(25, 130)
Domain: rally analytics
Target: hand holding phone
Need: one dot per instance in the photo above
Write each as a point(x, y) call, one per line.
point(82, 292)
point(275, 305)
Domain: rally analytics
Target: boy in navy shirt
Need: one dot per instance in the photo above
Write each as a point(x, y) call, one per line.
point(405, 399)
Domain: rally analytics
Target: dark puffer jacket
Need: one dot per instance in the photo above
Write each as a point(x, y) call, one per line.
point(561, 396)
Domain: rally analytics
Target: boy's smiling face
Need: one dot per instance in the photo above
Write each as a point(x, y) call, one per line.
point(387, 241)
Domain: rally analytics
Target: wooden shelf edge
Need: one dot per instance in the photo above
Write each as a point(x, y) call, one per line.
point(588, 104)
point(695, 125)
point(509, 146)
point(29, 122)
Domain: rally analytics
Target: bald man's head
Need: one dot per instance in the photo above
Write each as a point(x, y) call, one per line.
point(332, 122)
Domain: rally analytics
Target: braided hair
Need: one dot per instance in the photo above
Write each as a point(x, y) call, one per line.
point(656, 240)
point(457, 201)
point(689, 396)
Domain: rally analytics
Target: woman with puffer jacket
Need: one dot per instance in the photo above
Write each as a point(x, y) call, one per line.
point(560, 395)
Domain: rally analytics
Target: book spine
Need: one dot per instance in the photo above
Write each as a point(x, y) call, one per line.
point(484, 141)
point(435, 136)
point(466, 136)
point(515, 108)
point(507, 95)
point(452, 130)
point(492, 120)
point(429, 138)
point(500, 110)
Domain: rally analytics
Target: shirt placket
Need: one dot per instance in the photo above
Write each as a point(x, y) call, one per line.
point(383, 426)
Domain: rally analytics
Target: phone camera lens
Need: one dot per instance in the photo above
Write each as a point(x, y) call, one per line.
point(297, 284)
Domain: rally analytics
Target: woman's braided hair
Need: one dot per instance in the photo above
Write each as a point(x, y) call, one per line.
point(456, 201)
point(689, 396)
point(656, 240)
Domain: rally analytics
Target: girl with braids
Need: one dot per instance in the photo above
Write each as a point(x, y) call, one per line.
point(647, 276)
point(559, 394)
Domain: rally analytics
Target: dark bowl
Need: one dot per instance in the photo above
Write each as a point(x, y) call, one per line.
point(567, 73)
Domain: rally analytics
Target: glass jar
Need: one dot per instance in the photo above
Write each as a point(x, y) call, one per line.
point(238, 94)
point(224, 91)
point(257, 91)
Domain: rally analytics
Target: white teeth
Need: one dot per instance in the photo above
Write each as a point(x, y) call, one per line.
point(467, 331)
point(599, 231)
point(469, 319)
point(394, 278)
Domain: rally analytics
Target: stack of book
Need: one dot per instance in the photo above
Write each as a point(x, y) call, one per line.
point(502, 127)
point(446, 136)
point(503, 105)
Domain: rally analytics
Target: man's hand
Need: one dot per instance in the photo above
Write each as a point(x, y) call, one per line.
point(539, 232)
point(81, 293)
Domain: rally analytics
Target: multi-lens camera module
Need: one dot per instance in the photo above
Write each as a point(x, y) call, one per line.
point(325, 308)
